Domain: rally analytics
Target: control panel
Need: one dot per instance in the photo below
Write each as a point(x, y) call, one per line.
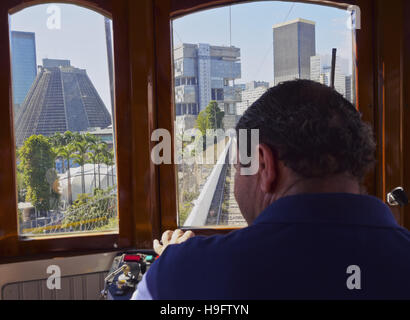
point(126, 271)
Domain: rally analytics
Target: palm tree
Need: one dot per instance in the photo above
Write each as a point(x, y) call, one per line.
point(57, 141)
point(81, 148)
point(93, 142)
point(100, 150)
point(67, 153)
point(93, 158)
point(68, 137)
point(109, 162)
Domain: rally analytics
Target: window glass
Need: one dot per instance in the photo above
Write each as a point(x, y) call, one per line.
point(236, 53)
point(62, 84)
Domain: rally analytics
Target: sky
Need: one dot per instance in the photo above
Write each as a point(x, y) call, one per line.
point(251, 25)
point(81, 37)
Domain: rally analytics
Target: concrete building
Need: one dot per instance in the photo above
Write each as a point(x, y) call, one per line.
point(320, 71)
point(293, 45)
point(204, 73)
point(23, 65)
point(253, 91)
point(61, 98)
point(350, 90)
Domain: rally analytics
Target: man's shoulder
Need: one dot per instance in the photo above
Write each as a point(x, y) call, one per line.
point(200, 248)
point(201, 244)
point(194, 263)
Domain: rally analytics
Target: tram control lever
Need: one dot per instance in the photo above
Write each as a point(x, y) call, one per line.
point(126, 271)
point(397, 197)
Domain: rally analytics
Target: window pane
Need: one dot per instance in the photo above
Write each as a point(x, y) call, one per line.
point(62, 78)
point(247, 49)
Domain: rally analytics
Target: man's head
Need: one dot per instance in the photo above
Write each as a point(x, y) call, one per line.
point(311, 140)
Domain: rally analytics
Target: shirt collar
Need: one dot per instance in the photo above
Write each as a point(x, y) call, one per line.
point(340, 208)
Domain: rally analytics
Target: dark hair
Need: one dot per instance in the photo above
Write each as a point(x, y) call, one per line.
point(313, 129)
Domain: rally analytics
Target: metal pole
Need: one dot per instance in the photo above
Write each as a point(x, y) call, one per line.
point(332, 74)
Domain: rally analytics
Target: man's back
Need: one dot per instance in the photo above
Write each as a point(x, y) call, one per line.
point(311, 246)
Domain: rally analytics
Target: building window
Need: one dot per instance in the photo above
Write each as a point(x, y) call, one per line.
point(66, 166)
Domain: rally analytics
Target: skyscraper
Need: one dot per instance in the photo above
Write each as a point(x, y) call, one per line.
point(61, 98)
point(293, 45)
point(23, 64)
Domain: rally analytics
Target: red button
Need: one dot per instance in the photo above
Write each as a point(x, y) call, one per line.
point(131, 258)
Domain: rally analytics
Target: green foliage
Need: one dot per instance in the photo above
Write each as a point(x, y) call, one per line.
point(80, 158)
point(91, 211)
point(21, 186)
point(202, 123)
point(214, 115)
point(20, 215)
point(57, 140)
point(60, 140)
point(66, 152)
point(112, 224)
point(36, 176)
point(209, 119)
point(81, 148)
point(189, 196)
point(184, 210)
point(39, 175)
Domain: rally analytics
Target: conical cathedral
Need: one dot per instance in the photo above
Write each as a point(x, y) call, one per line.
point(61, 98)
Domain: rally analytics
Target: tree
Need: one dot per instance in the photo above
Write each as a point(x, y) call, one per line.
point(69, 137)
point(93, 159)
point(210, 118)
point(57, 140)
point(109, 162)
point(112, 157)
point(100, 150)
point(38, 168)
point(214, 115)
point(81, 148)
point(21, 187)
point(67, 152)
point(202, 122)
point(93, 142)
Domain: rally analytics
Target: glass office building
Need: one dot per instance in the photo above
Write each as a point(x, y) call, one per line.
point(293, 45)
point(24, 69)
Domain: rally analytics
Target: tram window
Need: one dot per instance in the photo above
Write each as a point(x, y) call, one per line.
point(236, 53)
point(63, 120)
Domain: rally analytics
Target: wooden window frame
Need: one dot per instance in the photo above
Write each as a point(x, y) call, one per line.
point(166, 10)
point(134, 91)
point(147, 198)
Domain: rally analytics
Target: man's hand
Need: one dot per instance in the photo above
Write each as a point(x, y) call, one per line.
point(171, 237)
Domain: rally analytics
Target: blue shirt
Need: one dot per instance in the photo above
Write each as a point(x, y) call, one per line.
point(310, 246)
